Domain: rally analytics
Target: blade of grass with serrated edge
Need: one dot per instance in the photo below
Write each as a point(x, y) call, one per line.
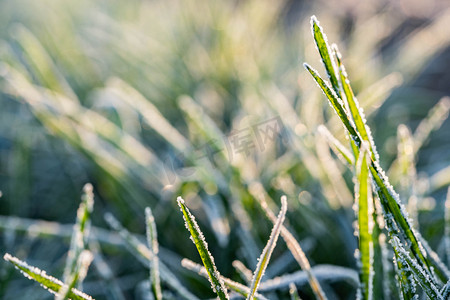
point(336, 146)
point(296, 251)
point(322, 46)
point(232, 285)
point(50, 283)
point(268, 249)
point(419, 273)
point(293, 292)
point(363, 200)
point(202, 247)
point(144, 255)
point(152, 242)
point(336, 103)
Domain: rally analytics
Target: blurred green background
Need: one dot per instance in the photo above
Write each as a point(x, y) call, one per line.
point(143, 99)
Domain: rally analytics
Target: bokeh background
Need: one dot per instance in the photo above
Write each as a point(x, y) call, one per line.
point(148, 100)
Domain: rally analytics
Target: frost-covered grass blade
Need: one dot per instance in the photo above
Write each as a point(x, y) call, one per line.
point(363, 198)
point(268, 249)
point(152, 241)
point(322, 45)
point(420, 275)
point(202, 247)
point(50, 283)
point(77, 264)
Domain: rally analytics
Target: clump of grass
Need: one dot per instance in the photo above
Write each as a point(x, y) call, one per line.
point(411, 254)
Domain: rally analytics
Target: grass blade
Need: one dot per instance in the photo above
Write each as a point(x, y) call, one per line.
point(363, 198)
point(78, 258)
point(322, 45)
point(50, 283)
point(267, 252)
point(81, 231)
point(335, 102)
point(353, 106)
point(202, 247)
point(152, 241)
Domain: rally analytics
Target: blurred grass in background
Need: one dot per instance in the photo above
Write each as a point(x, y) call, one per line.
point(143, 99)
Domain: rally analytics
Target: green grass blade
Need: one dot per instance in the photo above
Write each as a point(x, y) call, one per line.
point(232, 285)
point(202, 247)
point(81, 231)
point(420, 275)
point(267, 252)
point(322, 45)
point(50, 283)
point(363, 198)
point(152, 241)
point(353, 106)
point(391, 204)
point(335, 102)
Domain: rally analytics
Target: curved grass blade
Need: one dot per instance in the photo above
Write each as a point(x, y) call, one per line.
point(152, 241)
point(202, 247)
point(322, 45)
point(50, 283)
point(420, 275)
point(267, 252)
point(363, 198)
point(232, 285)
point(297, 252)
